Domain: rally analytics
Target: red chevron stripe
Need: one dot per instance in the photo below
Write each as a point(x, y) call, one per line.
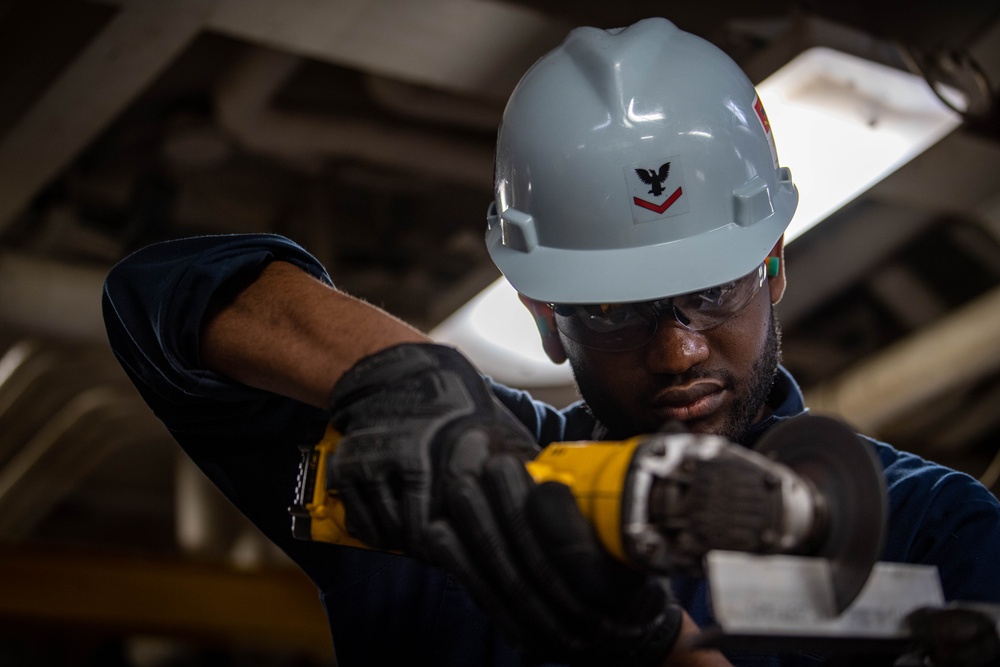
point(661, 207)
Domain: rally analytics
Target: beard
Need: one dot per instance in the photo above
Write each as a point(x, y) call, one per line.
point(750, 393)
point(747, 408)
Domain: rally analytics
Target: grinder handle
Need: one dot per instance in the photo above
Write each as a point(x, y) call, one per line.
point(318, 512)
point(595, 472)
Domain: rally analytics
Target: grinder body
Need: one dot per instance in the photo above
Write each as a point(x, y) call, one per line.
point(660, 502)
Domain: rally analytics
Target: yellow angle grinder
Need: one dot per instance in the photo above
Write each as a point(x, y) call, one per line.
point(662, 501)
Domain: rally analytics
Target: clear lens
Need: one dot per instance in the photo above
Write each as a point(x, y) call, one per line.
point(711, 307)
point(607, 327)
point(619, 327)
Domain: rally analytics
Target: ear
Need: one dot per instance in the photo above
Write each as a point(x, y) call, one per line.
point(776, 282)
point(545, 321)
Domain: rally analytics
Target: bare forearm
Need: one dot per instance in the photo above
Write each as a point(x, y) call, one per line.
point(289, 333)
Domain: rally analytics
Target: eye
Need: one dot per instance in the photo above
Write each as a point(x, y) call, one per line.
point(608, 317)
point(610, 313)
point(611, 310)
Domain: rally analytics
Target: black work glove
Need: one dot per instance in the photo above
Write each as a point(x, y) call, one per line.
point(404, 415)
point(957, 635)
point(535, 565)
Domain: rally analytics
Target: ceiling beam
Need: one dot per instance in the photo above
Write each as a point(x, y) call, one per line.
point(477, 47)
point(118, 64)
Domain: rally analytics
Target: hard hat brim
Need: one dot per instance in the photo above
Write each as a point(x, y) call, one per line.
point(622, 275)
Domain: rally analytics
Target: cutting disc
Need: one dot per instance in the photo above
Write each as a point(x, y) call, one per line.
point(848, 477)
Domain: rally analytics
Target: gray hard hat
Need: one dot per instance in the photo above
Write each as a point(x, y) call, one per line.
point(634, 164)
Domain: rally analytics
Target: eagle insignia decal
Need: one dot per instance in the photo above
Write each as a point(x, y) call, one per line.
point(654, 179)
point(657, 192)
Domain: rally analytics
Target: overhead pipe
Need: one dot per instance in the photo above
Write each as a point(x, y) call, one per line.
point(63, 409)
point(72, 443)
point(942, 358)
point(37, 378)
point(50, 297)
point(423, 103)
point(243, 107)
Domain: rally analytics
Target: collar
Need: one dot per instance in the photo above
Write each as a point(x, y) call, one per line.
point(785, 401)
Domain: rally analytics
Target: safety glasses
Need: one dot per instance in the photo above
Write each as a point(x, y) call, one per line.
point(615, 327)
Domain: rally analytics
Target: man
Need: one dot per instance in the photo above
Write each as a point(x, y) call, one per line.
point(639, 212)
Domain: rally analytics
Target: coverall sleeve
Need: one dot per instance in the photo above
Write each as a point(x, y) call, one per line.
point(383, 608)
point(155, 302)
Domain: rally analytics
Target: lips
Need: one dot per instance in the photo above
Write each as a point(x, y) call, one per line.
point(689, 403)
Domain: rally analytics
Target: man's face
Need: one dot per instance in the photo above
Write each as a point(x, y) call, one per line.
point(714, 381)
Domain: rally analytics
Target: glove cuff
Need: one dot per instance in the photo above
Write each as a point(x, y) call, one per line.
point(387, 366)
point(648, 648)
point(654, 646)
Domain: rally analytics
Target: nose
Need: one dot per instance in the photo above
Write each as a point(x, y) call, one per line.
point(674, 349)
